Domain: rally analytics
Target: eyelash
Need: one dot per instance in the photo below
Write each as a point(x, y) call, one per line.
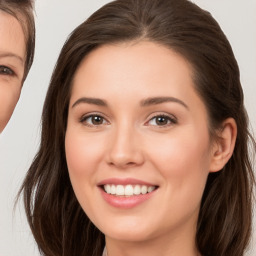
point(170, 119)
point(6, 71)
point(86, 117)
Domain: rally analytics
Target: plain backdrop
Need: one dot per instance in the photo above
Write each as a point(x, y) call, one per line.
point(55, 19)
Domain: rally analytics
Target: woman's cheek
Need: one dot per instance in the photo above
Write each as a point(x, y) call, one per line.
point(81, 153)
point(180, 153)
point(166, 152)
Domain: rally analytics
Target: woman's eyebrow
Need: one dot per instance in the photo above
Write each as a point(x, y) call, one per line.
point(94, 101)
point(159, 100)
point(11, 55)
point(143, 103)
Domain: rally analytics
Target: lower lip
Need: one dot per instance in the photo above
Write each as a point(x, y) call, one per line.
point(126, 202)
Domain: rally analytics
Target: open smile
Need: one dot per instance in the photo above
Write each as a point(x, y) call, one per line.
point(126, 193)
point(128, 190)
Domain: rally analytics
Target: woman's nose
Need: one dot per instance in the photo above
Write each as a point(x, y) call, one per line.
point(125, 148)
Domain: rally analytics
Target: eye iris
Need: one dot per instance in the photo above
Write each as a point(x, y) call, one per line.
point(161, 120)
point(97, 120)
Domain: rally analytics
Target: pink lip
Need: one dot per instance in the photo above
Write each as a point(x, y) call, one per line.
point(125, 202)
point(127, 181)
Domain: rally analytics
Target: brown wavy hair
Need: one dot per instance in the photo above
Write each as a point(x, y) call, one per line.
point(23, 11)
point(59, 225)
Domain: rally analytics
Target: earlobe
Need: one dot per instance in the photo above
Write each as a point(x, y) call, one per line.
point(224, 146)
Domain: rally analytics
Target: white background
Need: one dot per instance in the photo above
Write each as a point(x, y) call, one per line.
point(55, 19)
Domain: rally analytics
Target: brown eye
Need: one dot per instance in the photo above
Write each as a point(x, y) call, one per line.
point(6, 71)
point(93, 120)
point(97, 120)
point(162, 120)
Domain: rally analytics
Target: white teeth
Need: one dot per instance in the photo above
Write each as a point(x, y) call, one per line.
point(128, 190)
point(113, 190)
point(150, 189)
point(119, 190)
point(144, 190)
point(136, 190)
point(108, 188)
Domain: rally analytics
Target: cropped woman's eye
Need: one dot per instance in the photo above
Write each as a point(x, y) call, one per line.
point(162, 120)
point(6, 71)
point(93, 120)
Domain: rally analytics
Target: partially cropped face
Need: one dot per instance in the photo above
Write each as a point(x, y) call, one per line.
point(12, 59)
point(137, 142)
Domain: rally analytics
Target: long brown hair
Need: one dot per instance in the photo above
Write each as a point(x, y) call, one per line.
point(58, 223)
point(22, 10)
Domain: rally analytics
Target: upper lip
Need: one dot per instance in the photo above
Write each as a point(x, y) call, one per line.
point(126, 181)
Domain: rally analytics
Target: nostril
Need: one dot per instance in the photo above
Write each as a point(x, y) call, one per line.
point(122, 165)
point(130, 163)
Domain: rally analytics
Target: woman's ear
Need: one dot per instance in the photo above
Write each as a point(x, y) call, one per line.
point(224, 145)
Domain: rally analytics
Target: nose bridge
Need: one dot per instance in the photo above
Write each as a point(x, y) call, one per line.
point(125, 148)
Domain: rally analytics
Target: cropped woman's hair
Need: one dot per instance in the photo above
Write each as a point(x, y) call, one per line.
point(58, 223)
point(22, 10)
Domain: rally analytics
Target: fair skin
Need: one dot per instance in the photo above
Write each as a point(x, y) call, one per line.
point(12, 60)
point(135, 119)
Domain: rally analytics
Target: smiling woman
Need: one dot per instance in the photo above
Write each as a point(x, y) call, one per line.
point(144, 147)
point(131, 142)
point(17, 33)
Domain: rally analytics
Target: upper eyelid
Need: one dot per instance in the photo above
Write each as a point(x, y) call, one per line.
point(89, 114)
point(156, 114)
point(6, 66)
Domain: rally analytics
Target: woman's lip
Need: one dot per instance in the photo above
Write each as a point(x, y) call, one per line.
point(126, 181)
point(125, 202)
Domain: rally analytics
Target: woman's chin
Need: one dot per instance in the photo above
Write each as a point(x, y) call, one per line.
point(129, 234)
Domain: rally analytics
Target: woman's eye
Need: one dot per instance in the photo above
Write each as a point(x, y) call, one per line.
point(93, 120)
point(161, 120)
point(6, 71)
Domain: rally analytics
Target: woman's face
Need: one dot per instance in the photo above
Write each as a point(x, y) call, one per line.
point(137, 142)
point(12, 59)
